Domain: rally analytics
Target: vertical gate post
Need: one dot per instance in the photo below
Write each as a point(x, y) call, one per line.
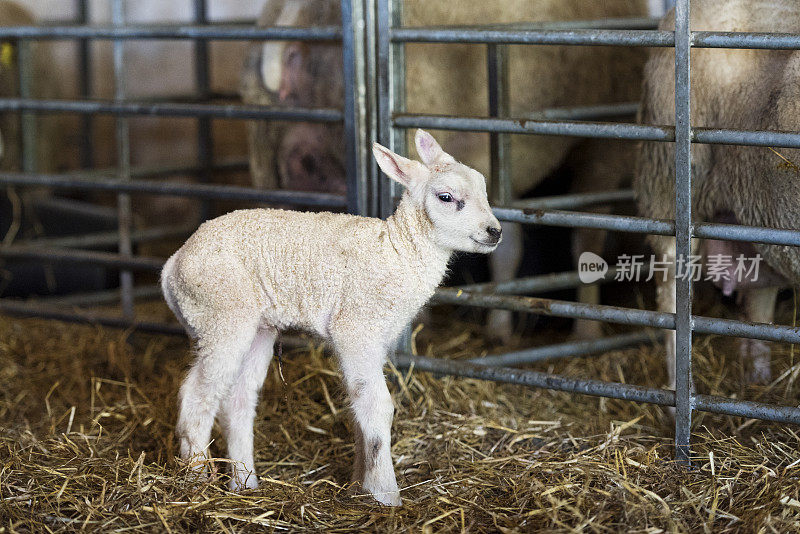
point(391, 69)
point(391, 92)
point(205, 139)
point(371, 169)
point(356, 97)
point(497, 66)
point(85, 88)
point(28, 120)
point(684, 388)
point(123, 163)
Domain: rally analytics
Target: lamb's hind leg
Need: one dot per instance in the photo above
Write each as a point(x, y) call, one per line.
point(220, 350)
point(362, 367)
point(759, 307)
point(239, 409)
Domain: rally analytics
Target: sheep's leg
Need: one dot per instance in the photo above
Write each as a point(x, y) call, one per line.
point(587, 240)
point(207, 383)
point(372, 411)
point(759, 307)
point(239, 409)
point(598, 165)
point(665, 297)
point(504, 263)
point(666, 300)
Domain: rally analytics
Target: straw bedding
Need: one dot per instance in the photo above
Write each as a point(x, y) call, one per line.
point(87, 443)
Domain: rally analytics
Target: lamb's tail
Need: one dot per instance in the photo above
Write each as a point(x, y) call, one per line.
point(166, 290)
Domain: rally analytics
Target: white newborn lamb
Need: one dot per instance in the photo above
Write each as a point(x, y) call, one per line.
point(355, 281)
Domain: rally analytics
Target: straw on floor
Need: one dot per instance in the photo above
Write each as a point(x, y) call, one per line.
point(87, 443)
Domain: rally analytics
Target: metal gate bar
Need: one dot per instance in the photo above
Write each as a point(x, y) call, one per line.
point(85, 87)
point(240, 32)
point(532, 284)
point(598, 388)
point(654, 38)
point(166, 109)
point(497, 68)
point(620, 223)
point(684, 385)
point(565, 350)
point(205, 140)
point(163, 171)
point(123, 141)
point(357, 155)
point(613, 130)
point(104, 239)
point(573, 200)
point(600, 37)
point(219, 192)
point(96, 298)
point(391, 95)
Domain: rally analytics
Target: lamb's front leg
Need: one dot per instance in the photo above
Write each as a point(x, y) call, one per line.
point(362, 367)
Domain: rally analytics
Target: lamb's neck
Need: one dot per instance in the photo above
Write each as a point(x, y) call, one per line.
point(411, 234)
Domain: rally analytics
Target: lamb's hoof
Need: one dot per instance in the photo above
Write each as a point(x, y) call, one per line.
point(388, 498)
point(198, 466)
point(500, 326)
point(756, 358)
point(242, 481)
point(583, 330)
point(384, 497)
point(198, 474)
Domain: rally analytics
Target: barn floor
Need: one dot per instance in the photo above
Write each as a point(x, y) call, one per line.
point(86, 443)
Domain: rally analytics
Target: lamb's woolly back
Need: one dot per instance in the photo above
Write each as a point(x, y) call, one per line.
point(304, 270)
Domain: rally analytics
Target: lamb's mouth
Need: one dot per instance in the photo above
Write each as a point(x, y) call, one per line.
point(485, 244)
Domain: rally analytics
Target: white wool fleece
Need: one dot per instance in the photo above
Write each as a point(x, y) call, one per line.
point(323, 272)
point(354, 281)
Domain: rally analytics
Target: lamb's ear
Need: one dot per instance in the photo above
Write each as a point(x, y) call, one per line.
point(396, 167)
point(428, 149)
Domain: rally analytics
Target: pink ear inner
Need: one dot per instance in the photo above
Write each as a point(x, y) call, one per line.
point(398, 172)
point(426, 146)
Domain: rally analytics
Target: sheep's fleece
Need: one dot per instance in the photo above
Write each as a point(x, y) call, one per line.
point(354, 281)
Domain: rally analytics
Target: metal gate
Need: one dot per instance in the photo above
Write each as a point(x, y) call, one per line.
point(373, 40)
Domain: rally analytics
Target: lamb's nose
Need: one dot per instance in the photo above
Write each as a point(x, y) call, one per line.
point(494, 232)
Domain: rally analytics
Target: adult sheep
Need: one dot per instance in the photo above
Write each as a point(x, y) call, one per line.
point(450, 79)
point(45, 84)
point(743, 89)
point(51, 139)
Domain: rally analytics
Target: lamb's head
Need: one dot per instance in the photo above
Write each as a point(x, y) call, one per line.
point(450, 194)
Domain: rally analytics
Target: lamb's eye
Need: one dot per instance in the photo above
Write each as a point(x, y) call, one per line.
point(445, 197)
